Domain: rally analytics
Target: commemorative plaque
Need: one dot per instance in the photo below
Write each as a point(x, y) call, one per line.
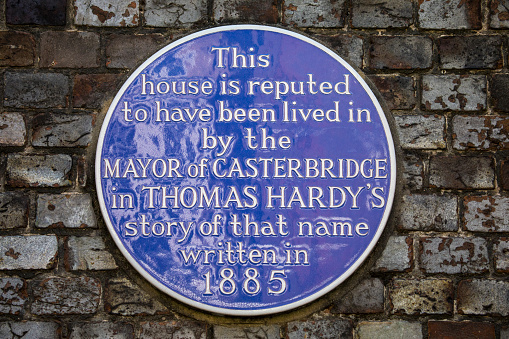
point(245, 170)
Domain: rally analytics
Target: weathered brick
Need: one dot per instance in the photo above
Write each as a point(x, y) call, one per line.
point(174, 329)
point(125, 298)
point(39, 90)
point(108, 330)
point(400, 52)
point(461, 172)
point(460, 329)
point(88, 253)
point(323, 328)
point(501, 255)
point(467, 52)
point(429, 213)
point(103, 13)
point(62, 130)
point(16, 49)
point(454, 14)
point(38, 170)
point(178, 13)
point(480, 132)
point(423, 296)
point(349, 47)
point(504, 175)
point(397, 91)
point(93, 90)
point(413, 172)
point(265, 332)
point(397, 255)
point(29, 330)
point(454, 92)
point(225, 11)
point(454, 255)
point(499, 97)
point(486, 213)
point(126, 51)
point(69, 49)
point(421, 131)
point(13, 210)
point(499, 13)
point(36, 12)
point(65, 210)
point(13, 295)
point(310, 13)
point(63, 296)
point(373, 14)
point(483, 297)
point(12, 129)
point(366, 297)
point(28, 252)
point(389, 329)
point(504, 332)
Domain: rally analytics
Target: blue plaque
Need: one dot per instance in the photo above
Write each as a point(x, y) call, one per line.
point(245, 170)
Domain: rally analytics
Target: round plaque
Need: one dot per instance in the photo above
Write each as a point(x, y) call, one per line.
point(245, 170)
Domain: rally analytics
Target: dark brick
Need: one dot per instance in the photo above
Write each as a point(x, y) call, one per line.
point(62, 130)
point(102, 330)
point(366, 297)
point(413, 172)
point(499, 13)
point(126, 51)
point(310, 13)
point(39, 90)
point(454, 255)
point(486, 213)
point(397, 91)
point(125, 298)
point(504, 174)
point(39, 170)
point(349, 47)
point(423, 296)
point(460, 329)
point(499, 97)
point(483, 297)
point(461, 172)
point(16, 49)
point(400, 52)
point(454, 92)
point(95, 90)
point(264, 11)
point(12, 129)
point(13, 210)
point(13, 295)
point(461, 52)
point(30, 330)
point(374, 14)
point(69, 49)
point(324, 328)
point(64, 296)
point(453, 14)
point(501, 255)
point(36, 12)
point(175, 329)
point(429, 213)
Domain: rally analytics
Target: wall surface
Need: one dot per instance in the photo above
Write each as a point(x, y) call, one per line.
point(442, 68)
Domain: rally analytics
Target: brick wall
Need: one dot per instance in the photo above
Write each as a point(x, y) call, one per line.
point(440, 65)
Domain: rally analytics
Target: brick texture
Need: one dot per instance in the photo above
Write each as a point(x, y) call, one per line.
point(69, 49)
point(16, 49)
point(327, 327)
point(366, 297)
point(425, 296)
point(483, 297)
point(308, 13)
point(460, 329)
point(396, 52)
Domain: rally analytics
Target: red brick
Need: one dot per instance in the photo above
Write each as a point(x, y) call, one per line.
point(242, 10)
point(126, 51)
point(460, 329)
point(92, 90)
point(16, 49)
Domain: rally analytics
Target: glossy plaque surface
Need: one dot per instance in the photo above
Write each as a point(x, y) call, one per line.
point(245, 170)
